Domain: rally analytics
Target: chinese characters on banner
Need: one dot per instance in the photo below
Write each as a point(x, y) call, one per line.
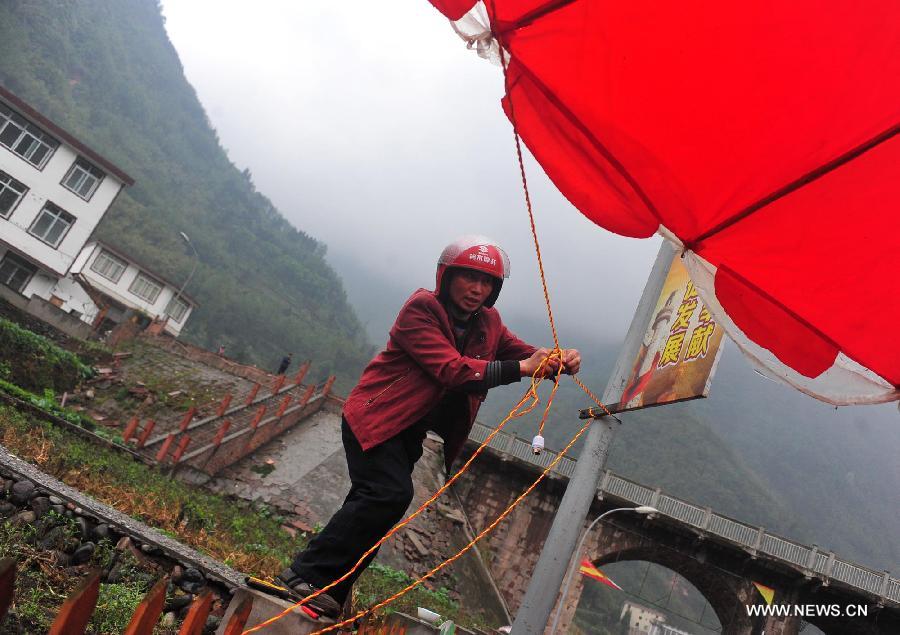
point(680, 348)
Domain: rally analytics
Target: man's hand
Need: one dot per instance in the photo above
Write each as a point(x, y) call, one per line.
point(571, 361)
point(527, 367)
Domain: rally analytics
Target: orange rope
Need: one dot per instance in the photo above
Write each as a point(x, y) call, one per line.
point(472, 542)
point(537, 246)
point(515, 413)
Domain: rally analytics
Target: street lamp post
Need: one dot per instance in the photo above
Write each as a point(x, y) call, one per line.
point(643, 509)
point(178, 295)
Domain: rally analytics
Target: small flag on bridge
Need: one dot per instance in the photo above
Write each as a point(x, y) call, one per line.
point(766, 591)
point(588, 569)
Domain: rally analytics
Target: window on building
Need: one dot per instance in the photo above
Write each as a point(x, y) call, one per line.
point(24, 138)
point(52, 224)
point(15, 272)
point(11, 192)
point(145, 288)
point(177, 308)
point(83, 178)
point(109, 266)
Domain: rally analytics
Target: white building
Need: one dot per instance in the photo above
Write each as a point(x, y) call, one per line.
point(116, 286)
point(641, 619)
point(54, 190)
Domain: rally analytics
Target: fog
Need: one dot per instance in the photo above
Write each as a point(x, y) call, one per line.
point(373, 129)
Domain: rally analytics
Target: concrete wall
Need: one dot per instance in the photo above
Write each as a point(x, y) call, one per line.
point(16, 299)
point(65, 322)
point(240, 443)
point(46, 312)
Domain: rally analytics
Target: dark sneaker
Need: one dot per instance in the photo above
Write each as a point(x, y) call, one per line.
point(323, 604)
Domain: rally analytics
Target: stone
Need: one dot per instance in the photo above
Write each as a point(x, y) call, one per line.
point(115, 574)
point(23, 518)
point(59, 509)
point(54, 538)
point(6, 509)
point(168, 619)
point(151, 550)
point(84, 528)
point(40, 505)
point(83, 553)
point(60, 558)
point(21, 492)
point(192, 574)
point(101, 532)
point(192, 587)
point(178, 601)
point(302, 526)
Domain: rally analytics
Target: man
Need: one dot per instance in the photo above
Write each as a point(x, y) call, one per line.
point(285, 363)
point(446, 349)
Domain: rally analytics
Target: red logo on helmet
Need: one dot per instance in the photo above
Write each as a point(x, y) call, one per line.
point(485, 258)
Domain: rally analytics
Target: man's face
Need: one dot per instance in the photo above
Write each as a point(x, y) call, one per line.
point(469, 289)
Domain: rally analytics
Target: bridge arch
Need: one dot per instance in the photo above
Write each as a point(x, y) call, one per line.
point(726, 593)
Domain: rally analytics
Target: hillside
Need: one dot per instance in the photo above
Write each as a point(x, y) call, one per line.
point(106, 71)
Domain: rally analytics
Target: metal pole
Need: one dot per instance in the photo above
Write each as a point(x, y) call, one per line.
point(191, 274)
point(534, 613)
point(560, 544)
point(571, 572)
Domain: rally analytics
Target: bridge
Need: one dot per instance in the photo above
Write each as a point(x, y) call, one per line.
point(719, 555)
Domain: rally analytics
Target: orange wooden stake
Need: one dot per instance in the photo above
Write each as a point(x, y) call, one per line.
point(196, 618)
point(148, 611)
point(7, 584)
point(76, 611)
point(239, 618)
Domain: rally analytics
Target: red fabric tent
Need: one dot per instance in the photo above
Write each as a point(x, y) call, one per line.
point(761, 137)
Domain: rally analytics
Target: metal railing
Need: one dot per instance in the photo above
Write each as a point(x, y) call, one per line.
point(755, 540)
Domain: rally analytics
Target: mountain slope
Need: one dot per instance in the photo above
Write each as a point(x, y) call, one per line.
point(755, 450)
point(106, 71)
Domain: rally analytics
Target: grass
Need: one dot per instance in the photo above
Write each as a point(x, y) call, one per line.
point(42, 586)
point(380, 582)
point(245, 537)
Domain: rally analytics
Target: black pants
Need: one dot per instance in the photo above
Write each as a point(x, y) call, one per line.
point(380, 493)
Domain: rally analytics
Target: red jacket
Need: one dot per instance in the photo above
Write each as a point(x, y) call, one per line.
point(420, 363)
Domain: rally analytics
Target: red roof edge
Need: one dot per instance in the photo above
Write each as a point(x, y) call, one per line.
point(42, 121)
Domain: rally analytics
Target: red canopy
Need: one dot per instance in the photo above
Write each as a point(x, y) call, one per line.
point(759, 136)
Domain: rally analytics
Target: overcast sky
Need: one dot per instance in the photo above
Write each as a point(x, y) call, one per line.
point(379, 133)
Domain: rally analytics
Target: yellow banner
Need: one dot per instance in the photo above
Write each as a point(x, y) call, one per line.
point(679, 350)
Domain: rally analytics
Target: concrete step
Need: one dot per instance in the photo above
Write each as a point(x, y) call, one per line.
point(266, 606)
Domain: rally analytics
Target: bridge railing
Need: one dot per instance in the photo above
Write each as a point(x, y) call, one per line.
point(753, 539)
